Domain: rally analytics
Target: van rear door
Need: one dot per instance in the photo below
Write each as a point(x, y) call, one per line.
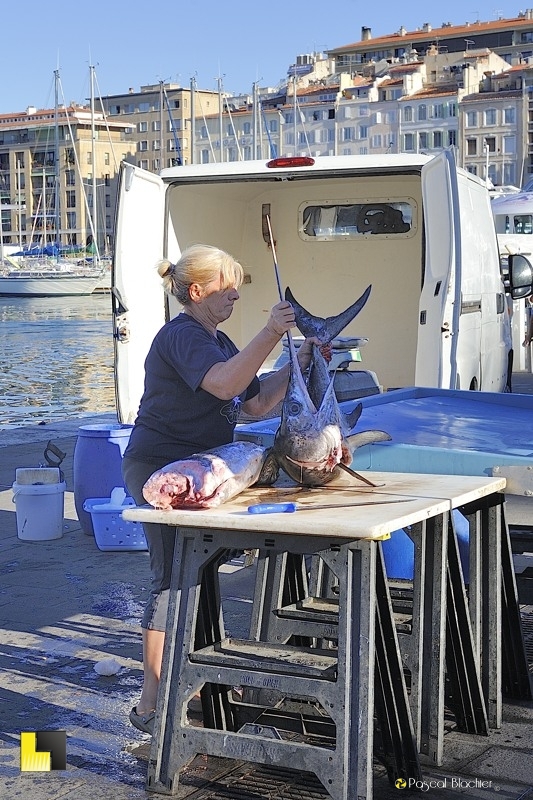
point(138, 297)
point(438, 322)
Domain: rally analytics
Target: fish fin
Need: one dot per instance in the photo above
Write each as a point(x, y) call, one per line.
point(325, 329)
point(356, 440)
point(269, 471)
point(353, 416)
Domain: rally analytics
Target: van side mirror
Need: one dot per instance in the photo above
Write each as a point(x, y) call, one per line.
point(520, 276)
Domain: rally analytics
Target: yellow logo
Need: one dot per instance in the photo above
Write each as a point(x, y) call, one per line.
point(400, 783)
point(42, 751)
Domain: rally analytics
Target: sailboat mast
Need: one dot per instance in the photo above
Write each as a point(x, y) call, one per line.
point(220, 127)
point(57, 208)
point(93, 159)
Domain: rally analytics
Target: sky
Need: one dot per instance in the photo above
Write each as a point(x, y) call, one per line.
point(237, 41)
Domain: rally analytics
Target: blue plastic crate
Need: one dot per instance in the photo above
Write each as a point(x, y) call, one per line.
point(111, 532)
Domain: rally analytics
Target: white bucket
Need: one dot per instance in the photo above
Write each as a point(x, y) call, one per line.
point(40, 510)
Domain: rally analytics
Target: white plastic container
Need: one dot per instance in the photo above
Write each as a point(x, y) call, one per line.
point(40, 510)
point(111, 532)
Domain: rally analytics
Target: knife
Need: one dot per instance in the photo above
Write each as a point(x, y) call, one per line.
point(277, 508)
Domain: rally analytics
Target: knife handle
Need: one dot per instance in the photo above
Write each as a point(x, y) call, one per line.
point(271, 508)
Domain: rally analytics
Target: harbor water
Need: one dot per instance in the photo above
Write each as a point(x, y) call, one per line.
point(56, 358)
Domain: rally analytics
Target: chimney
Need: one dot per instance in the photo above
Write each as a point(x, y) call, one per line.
point(402, 31)
point(426, 27)
point(366, 34)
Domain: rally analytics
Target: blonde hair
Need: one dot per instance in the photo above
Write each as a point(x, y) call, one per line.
point(201, 264)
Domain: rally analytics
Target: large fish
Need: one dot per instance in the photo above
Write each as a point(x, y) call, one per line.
point(313, 441)
point(207, 479)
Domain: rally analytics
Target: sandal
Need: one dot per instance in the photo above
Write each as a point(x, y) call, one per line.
point(143, 722)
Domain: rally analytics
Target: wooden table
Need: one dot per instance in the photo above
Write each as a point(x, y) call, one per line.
point(342, 682)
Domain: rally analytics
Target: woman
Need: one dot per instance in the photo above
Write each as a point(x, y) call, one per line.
point(196, 381)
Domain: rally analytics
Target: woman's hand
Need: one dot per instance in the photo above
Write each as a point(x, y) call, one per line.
point(305, 351)
point(281, 319)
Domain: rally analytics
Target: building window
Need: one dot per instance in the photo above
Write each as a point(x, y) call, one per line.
point(246, 128)
point(490, 116)
point(363, 132)
point(490, 142)
point(143, 146)
point(509, 144)
point(437, 138)
point(71, 219)
point(452, 109)
point(108, 221)
point(408, 114)
point(142, 127)
point(70, 177)
point(452, 138)
point(143, 163)
point(438, 111)
point(156, 125)
point(409, 142)
point(509, 116)
point(108, 201)
point(71, 199)
point(375, 141)
point(205, 156)
point(144, 107)
point(273, 126)
point(423, 140)
point(348, 134)
point(422, 112)
point(471, 147)
point(89, 158)
point(471, 119)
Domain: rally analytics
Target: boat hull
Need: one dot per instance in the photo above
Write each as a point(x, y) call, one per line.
point(48, 286)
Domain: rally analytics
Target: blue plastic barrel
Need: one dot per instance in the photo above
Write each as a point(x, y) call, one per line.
point(399, 550)
point(97, 465)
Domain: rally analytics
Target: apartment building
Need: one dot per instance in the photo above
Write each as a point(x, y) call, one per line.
point(511, 39)
point(160, 121)
point(51, 164)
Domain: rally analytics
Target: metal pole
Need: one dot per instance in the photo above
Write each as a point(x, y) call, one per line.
point(57, 209)
point(93, 216)
point(193, 121)
point(295, 110)
point(221, 130)
point(161, 139)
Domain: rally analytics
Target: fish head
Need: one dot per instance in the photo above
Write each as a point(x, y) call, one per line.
point(308, 443)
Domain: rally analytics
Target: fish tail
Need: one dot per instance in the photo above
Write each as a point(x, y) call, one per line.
point(326, 329)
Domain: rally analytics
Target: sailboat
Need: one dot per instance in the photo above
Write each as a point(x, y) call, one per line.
point(44, 270)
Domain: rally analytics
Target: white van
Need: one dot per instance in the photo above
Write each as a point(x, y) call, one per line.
point(416, 228)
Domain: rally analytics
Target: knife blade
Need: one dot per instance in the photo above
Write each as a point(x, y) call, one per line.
point(288, 508)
